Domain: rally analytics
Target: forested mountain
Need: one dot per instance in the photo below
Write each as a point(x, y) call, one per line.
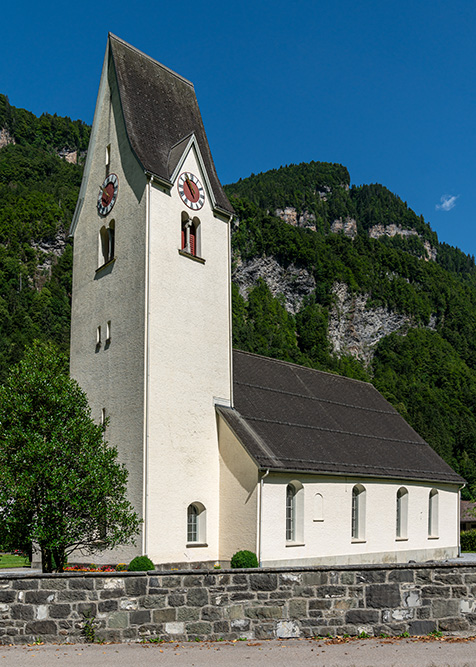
point(38, 193)
point(335, 276)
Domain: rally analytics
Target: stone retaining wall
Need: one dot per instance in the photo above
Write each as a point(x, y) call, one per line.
point(233, 604)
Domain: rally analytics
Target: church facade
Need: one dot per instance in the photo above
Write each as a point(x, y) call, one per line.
point(225, 450)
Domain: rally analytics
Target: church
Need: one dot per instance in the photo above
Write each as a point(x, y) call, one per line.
point(225, 450)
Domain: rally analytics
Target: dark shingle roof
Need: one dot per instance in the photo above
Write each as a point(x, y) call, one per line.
point(289, 417)
point(160, 110)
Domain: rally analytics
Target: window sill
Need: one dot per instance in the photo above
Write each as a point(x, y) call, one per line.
point(355, 541)
point(295, 544)
point(318, 520)
point(103, 266)
point(194, 545)
point(433, 537)
point(200, 260)
point(401, 539)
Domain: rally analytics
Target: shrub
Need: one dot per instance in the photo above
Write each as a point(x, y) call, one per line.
point(468, 540)
point(121, 567)
point(244, 559)
point(141, 564)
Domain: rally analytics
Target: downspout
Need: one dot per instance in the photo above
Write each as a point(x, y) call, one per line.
point(260, 502)
point(145, 456)
point(459, 519)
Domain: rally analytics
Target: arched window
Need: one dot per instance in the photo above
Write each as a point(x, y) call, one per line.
point(318, 507)
point(358, 512)
point(196, 523)
point(294, 512)
point(402, 513)
point(433, 513)
point(190, 239)
point(107, 242)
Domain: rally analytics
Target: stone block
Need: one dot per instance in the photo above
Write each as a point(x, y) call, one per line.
point(197, 597)
point(359, 616)
point(113, 594)
point(172, 582)
point(297, 608)
point(287, 629)
point(435, 591)
point(174, 628)
point(264, 631)
point(330, 591)
point(450, 578)
point(240, 624)
point(459, 591)
point(87, 608)
point(453, 625)
point(399, 615)
point(263, 582)
point(130, 604)
point(136, 586)
point(402, 576)
point(221, 627)
point(152, 601)
point(22, 612)
point(81, 584)
point(421, 627)
point(164, 615)
point(290, 578)
point(236, 597)
point(344, 604)
point(68, 596)
point(320, 604)
point(39, 597)
point(188, 614)
point(176, 600)
point(239, 579)
point(107, 606)
point(198, 628)
point(445, 608)
point(411, 598)
point(263, 612)
point(383, 596)
point(25, 584)
point(315, 578)
point(347, 578)
point(467, 606)
point(424, 577)
point(119, 619)
point(234, 611)
point(54, 584)
point(211, 614)
point(304, 592)
point(7, 597)
point(371, 576)
point(39, 628)
point(60, 610)
point(139, 617)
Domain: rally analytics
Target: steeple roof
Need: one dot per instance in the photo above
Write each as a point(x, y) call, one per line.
point(160, 111)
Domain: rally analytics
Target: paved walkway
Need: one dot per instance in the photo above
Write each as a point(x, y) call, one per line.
point(289, 653)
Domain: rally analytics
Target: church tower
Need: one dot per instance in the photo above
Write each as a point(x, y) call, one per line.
point(151, 314)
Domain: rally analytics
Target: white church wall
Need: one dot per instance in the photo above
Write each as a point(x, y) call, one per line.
point(238, 495)
point(189, 367)
point(112, 373)
point(327, 522)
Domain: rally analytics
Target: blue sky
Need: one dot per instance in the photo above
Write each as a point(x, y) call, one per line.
point(385, 88)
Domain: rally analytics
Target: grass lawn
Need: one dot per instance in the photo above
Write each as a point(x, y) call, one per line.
point(7, 560)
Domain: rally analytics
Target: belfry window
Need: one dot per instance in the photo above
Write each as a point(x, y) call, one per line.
point(294, 512)
point(402, 513)
point(107, 243)
point(358, 513)
point(433, 513)
point(190, 239)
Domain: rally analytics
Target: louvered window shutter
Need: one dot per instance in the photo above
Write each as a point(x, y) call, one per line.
point(192, 240)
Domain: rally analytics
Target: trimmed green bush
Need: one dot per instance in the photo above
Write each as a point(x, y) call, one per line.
point(244, 559)
point(468, 540)
point(141, 564)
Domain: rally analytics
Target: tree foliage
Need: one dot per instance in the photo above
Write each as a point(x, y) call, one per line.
point(61, 485)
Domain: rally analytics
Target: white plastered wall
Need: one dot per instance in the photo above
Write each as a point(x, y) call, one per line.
point(113, 375)
point(239, 489)
point(189, 369)
point(327, 537)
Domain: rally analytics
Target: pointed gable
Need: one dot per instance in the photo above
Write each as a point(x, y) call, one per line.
point(160, 112)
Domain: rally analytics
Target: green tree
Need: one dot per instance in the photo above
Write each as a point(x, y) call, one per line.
point(60, 482)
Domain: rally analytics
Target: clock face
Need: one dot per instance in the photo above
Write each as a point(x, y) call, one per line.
point(108, 194)
point(191, 191)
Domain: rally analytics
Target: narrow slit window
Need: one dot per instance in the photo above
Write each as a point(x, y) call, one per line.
point(108, 331)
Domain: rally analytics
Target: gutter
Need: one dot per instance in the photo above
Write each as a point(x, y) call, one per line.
point(260, 506)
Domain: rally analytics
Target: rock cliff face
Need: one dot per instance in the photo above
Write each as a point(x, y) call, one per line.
point(377, 231)
point(355, 329)
point(48, 252)
point(348, 227)
point(5, 138)
point(292, 283)
point(289, 215)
